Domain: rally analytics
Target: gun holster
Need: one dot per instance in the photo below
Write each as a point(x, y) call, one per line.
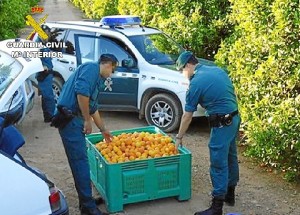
point(43, 74)
point(220, 120)
point(62, 117)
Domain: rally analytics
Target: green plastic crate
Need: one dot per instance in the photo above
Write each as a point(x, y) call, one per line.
point(142, 180)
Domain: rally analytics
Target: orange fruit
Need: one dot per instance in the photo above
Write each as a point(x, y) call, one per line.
point(151, 153)
point(144, 156)
point(135, 146)
point(138, 154)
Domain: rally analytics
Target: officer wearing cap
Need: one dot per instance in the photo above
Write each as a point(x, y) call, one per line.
point(211, 87)
point(80, 96)
point(45, 79)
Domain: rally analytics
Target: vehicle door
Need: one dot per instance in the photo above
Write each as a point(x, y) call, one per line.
point(67, 64)
point(120, 91)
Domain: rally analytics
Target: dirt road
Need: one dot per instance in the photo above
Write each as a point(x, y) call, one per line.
point(258, 193)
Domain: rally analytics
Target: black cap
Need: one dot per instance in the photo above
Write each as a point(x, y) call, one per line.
point(183, 58)
point(108, 57)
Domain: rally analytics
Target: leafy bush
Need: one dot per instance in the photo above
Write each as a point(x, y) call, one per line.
point(96, 9)
point(12, 16)
point(197, 25)
point(263, 57)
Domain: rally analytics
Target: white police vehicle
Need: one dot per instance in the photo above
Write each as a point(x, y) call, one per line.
point(146, 80)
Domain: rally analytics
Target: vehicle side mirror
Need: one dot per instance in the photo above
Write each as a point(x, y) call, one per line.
point(128, 63)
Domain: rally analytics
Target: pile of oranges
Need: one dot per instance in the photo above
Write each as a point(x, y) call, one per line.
point(136, 146)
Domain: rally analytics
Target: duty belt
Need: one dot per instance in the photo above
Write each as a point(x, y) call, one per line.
point(220, 120)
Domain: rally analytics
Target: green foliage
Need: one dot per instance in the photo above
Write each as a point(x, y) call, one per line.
point(95, 9)
point(197, 25)
point(263, 56)
point(104, 8)
point(12, 16)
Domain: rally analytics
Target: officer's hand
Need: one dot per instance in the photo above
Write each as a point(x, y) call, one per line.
point(107, 136)
point(178, 143)
point(87, 129)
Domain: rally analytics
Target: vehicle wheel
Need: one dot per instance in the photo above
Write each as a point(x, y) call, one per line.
point(57, 85)
point(163, 111)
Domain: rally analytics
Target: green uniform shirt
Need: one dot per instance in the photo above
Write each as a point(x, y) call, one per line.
point(211, 87)
point(85, 81)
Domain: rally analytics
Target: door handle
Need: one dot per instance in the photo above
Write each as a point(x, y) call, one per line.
point(63, 60)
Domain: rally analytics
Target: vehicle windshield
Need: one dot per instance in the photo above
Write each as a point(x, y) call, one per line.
point(10, 68)
point(157, 49)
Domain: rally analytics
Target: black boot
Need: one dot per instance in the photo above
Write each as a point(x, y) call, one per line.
point(216, 208)
point(91, 211)
point(99, 200)
point(230, 198)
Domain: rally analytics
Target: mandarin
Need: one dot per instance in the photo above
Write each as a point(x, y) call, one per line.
point(136, 146)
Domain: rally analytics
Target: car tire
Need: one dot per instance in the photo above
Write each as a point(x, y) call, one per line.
point(57, 85)
point(164, 111)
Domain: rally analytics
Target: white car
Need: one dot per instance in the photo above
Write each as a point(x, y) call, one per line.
point(24, 190)
point(146, 80)
point(16, 99)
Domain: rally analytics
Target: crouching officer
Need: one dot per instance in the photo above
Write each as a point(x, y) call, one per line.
point(77, 105)
point(211, 87)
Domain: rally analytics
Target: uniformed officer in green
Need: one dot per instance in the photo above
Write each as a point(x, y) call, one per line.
point(211, 87)
point(79, 97)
